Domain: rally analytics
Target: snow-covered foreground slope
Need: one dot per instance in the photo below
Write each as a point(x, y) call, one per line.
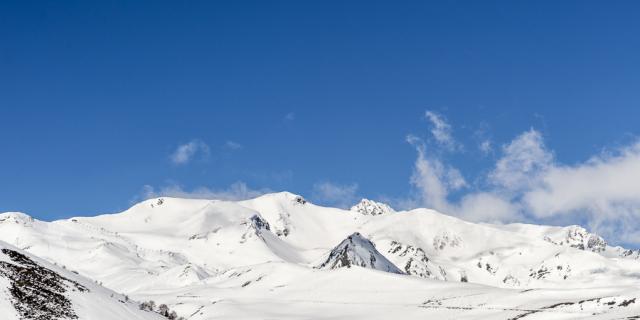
point(34, 289)
point(279, 256)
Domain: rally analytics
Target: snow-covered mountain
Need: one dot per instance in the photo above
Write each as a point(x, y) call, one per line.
point(280, 256)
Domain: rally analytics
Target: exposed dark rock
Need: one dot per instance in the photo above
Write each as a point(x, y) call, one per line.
point(417, 263)
point(37, 292)
point(300, 200)
point(627, 302)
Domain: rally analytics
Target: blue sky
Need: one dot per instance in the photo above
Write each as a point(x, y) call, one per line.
point(318, 98)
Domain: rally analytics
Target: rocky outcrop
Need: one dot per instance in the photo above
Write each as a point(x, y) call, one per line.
point(415, 260)
point(579, 238)
point(256, 225)
point(37, 292)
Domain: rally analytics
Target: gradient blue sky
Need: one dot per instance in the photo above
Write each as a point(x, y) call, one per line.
point(95, 97)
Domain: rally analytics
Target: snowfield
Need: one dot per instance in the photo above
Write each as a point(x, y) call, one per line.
point(281, 257)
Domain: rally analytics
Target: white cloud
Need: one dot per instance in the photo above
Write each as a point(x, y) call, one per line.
point(481, 136)
point(605, 187)
point(232, 145)
point(604, 184)
point(186, 152)
point(486, 147)
point(524, 160)
point(236, 191)
point(429, 178)
point(433, 180)
point(454, 179)
point(328, 193)
point(527, 184)
point(603, 191)
point(441, 130)
point(487, 207)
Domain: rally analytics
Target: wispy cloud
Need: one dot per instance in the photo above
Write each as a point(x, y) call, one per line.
point(236, 191)
point(481, 136)
point(338, 195)
point(186, 152)
point(290, 116)
point(522, 162)
point(441, 131)
point(232, 145)
point(435, 181)
point(485, 147)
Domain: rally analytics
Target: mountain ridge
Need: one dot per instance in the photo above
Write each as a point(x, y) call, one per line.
point(262, 245)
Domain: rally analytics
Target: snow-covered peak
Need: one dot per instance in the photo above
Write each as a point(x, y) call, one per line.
point(579, 238)
point(372, 208)
point(283, 196)
point(359, 251)
point(17, 217)
point(281, 200)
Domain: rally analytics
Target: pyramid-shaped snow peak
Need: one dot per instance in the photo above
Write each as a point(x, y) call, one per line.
point(357, 250)
point(371, 208)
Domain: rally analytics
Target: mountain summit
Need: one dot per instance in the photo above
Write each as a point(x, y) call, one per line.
point(359, 251)
point(372, 208)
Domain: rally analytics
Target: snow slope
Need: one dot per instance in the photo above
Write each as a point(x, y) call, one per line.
point(258, 259)
point(34, 289)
